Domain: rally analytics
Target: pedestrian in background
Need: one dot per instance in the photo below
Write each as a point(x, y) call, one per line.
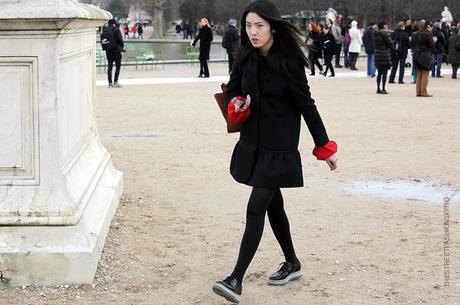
point(368, 41)
point(112, 43)
point(231, 42)
point(355, 44)
point(328, 50)
point(205, 37)
point(454, 51)
point(346, 46)
point(439, 49)
point(408, 26)
point(314, 46)
point(134, 30)
point(178, 29)
point(401, 46)
point(126, 31)
point(337, 30)
point(140, 31)
point(423, 43)
point(383, 46)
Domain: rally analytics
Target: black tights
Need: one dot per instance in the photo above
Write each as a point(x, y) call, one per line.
point(382, 78)
point(314, 60)
point(260, 202)
point(328, 62)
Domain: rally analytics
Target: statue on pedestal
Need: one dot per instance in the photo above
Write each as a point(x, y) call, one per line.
point(331, 15)
point(447, 16)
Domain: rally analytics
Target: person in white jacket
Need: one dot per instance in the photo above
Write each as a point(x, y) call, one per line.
point(355, 44)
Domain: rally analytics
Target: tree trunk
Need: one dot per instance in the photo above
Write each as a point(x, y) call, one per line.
point(158, 25)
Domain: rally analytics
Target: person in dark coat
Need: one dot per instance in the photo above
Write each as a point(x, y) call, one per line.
point(205, 38)
point(454, 51)
point(231, 42)
point(401, 45)
point(439, 49)
point(383, 46)
point(314, 46)
point(270, 73)
point(328, 50)
point(368, 41)
point(114, 54)
point(423, 43)
point(140, 31)
point(408, 26)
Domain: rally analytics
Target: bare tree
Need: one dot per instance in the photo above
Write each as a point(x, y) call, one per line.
point(364, 11)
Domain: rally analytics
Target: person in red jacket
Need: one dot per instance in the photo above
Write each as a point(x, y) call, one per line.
point(268, 93)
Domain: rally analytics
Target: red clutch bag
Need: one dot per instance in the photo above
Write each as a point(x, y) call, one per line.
point(220, 99)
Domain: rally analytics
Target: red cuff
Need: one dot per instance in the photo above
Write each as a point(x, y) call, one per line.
point(237, 117)
point(325, 151)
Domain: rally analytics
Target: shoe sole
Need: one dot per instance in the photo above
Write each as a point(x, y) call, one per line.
point(223, 291)
point(291, 277)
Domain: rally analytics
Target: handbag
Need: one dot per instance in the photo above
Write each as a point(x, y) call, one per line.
point(220, 99)
point(424, 60)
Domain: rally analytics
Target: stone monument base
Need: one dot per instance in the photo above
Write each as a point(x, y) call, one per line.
point(54, 255)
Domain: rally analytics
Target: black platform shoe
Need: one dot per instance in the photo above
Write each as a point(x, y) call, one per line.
point(287, 272)
point(229, 288)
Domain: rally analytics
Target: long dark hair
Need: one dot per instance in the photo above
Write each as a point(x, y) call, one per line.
point(287, 40)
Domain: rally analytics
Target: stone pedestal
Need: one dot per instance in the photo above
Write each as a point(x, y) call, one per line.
point(58, 188)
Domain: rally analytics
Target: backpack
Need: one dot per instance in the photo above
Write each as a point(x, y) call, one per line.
point(108, 39)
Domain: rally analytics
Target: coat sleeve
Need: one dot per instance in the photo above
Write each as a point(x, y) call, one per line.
point(234, 84)
point(301, 97)
point(197, 37)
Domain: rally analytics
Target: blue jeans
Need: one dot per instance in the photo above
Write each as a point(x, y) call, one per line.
point(346, 58)
point(437, 66)
point(371, 65)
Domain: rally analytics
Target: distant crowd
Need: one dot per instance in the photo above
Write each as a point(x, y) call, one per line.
point(425, 46)
point(135, 31)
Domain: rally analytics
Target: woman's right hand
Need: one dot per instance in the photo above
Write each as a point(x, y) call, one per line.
point(241, 105)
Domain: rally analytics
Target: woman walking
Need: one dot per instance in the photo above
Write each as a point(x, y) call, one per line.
point(355, 44)
point(454, 51)
point(383, 46)
point(205, 38)
point(314, 46)
point(328, 47)
point(270, 72)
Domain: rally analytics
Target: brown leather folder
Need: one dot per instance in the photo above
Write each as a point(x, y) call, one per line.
point(220, 99)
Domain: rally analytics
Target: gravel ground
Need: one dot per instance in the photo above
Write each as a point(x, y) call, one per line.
point(180, 221)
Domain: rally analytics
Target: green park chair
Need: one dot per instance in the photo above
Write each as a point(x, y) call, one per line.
point(101, 59)
point(192, 53)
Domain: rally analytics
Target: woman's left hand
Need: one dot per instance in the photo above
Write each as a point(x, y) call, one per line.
point(332, 162)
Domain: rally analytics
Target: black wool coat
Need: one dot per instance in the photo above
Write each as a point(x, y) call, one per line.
point(205, 37)
point(401, 43)
point(454, 50)
point(382, 47)
point(266, 154)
